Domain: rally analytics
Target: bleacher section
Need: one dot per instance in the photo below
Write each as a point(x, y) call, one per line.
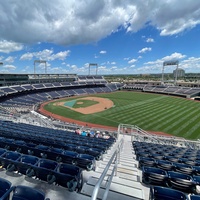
point(53, 156)
point(186, 92)
point(22, 98)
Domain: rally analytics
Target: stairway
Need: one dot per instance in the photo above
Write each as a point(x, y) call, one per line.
point(126, 184)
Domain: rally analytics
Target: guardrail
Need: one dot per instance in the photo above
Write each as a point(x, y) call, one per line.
point(115, 157)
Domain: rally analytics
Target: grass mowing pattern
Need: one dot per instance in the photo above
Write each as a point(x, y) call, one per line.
point(177, 116)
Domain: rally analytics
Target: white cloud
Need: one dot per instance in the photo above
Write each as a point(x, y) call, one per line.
point(81, 22)
point(9, 59)
point(60, 55)
point(27, 56)
point(132, 61)
point(144, 50)
point(102, 52)
point(126, 58)
point(157, 65)
point(9, 67)
point(173, 56)
point(150, 40)
point(25, 69)
point(9, 46)
point(46, 54)
point(114, 67)
point(113, 63)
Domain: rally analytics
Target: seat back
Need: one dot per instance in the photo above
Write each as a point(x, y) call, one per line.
point(68, 169)
point(27, 193)
point(4, 186)
point(48, 164)
point(12, 155)
point(29, 159)
point(163, 193)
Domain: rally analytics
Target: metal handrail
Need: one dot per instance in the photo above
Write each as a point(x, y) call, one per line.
point(114, 157)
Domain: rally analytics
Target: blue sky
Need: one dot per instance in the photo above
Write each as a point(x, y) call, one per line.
point(121, 36)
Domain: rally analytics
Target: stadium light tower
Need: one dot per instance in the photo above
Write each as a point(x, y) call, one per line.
point(167, 63)
point(91, 65)
point(40, 61)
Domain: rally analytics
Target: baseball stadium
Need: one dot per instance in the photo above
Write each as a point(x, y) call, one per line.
point(84, 137)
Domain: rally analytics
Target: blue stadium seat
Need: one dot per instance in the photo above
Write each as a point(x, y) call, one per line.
point(164, 164)
point(183, 168)
point(97, 153)
point(196, 170)
point(156, 156)
point(8, 159)
point(142, 154)
point(44, 170)
point(162, 193)
point(4, 187)
point(182, 182)
point(26, 162)
point(154, 176)
point(27, 193)
point(81, 149)
point(85, 161)
point(143, 161)
point(2, 151)
point(69, 157)
point(172, 159)
point(69, 176)
point(194, 197)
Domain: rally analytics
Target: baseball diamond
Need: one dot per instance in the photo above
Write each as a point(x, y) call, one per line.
point(152, 112)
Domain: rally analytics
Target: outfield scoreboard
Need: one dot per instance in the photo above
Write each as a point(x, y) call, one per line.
point(173, 62)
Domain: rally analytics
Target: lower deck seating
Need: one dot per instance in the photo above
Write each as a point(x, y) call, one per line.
point(165, 165)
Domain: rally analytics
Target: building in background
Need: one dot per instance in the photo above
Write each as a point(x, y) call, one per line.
point(180, 73)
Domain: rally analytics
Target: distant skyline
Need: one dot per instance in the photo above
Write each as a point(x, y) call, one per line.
point(121, 36)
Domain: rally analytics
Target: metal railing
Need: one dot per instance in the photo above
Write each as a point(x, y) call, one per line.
point(115, 157)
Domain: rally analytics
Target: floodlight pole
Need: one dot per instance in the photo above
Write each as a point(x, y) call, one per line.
point(167, 63)
point(176, 75)
point(93, 64)
point(40, 61)
point(162, 80)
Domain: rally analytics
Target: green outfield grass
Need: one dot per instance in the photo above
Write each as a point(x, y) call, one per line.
point(153, 112)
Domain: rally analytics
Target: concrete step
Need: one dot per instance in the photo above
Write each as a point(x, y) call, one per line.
point(121, 164)
point(117, 180)
point(123, 174)
point(112, 195)
point(136, 192)
point(121, 168)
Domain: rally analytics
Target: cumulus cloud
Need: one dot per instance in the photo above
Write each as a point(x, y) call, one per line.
point(144, 50)
point(113, 63)
point(81, 22)
point(132, 61)
point(173, 56)
point(102, 52)
point(126, 58)
point(9, 59)
point(27, 56)
point(9, 67)
point(9, 46)
point(149, 40)
point(156, 65)
point(46, 54)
